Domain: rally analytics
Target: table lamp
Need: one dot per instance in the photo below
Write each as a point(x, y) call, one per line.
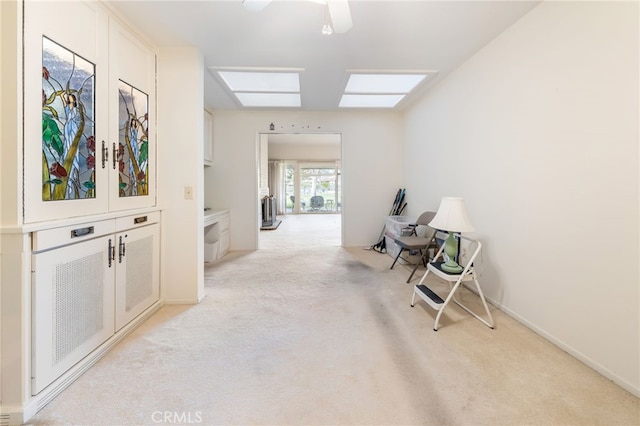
point(451, 217)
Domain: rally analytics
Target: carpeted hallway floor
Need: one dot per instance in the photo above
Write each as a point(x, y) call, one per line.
point(301, 333)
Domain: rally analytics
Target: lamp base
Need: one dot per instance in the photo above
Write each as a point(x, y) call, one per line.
point(451, 249)
point(451, 266)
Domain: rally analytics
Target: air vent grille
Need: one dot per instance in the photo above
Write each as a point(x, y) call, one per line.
point(139, 271)
point(78, 307)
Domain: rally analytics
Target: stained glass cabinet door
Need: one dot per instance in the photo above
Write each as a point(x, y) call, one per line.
point(66, 111)
point(132, 122)
point(89, 96)
point(133, 142)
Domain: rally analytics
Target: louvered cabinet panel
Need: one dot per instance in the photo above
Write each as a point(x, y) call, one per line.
point(73, 292)
point(137, 281)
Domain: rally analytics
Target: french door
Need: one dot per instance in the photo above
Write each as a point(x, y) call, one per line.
point(312, 187)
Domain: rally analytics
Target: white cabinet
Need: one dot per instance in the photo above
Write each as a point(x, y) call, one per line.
point(216, 235)
point(72, 306)
point(224, 235)
point(80, 151)
point(89, 113)
point(65, 104)
point(132, 119)
point(88, 282)
point(208, 138)
point(137, 267)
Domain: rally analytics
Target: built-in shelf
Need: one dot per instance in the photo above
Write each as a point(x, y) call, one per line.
point(211, 216)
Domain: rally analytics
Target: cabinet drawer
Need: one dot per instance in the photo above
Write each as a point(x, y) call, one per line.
point(136, 221)
point(58, 237)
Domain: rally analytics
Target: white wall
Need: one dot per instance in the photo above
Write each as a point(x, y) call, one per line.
point(304, 151)
point(14, 269)
point(371, 168)
point(180, 165)
point(539, 133)
point(10, 125)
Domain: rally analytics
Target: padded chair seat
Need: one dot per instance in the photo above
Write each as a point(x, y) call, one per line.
point(410, 242)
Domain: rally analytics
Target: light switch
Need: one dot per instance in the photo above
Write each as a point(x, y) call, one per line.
point(188, 192)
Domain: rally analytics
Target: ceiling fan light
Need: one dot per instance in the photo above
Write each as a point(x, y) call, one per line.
point(340, 15)
point(326, 28)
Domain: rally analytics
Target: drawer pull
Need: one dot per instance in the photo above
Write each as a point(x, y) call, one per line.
point(141, 219)
point(81, 232)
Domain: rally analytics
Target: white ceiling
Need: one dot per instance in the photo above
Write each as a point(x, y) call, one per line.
point(386, 35)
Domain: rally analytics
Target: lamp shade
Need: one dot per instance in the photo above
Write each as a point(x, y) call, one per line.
point(452, 216)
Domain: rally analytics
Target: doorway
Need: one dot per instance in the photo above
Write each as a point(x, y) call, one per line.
point(301, 175)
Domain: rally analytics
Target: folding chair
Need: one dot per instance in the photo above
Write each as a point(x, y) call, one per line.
point(413, 242)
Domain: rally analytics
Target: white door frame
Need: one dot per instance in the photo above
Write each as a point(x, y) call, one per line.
point(257, 221)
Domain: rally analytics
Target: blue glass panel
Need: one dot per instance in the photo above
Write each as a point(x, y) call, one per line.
point(133, 149)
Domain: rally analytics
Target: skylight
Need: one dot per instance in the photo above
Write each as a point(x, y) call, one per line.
point(383, 83)
point(370, 101)
point(269, 99)
point(377, 90)
point(280, 87)
point(264, 89)
point(261, 81)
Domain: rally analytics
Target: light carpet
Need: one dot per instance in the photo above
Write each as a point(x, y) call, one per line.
point(322, 335)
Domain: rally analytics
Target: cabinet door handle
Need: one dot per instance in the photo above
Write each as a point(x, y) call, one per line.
point(121, 250)
point(114, 160)
point(105, 154)
point(111, 253)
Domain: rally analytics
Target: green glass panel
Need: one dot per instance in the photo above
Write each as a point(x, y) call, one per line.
point(68, 124)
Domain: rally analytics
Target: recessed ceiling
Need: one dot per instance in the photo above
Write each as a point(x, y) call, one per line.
point(383, 83)
point(264, 89)
point(379, 90)
point(279, 89)
point(253, 81)
point(272, 100)
point(408, 35)
point(370, 101)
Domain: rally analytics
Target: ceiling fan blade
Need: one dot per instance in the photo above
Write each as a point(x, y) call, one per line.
point(255, 5)
point(340, 15)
